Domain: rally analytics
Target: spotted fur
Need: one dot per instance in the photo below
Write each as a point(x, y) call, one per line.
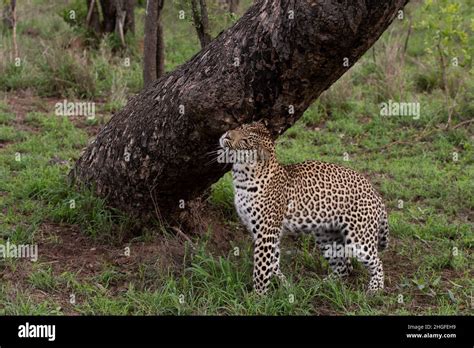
point(335, 204)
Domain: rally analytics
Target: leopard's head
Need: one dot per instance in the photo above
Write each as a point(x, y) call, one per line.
point(250, 137)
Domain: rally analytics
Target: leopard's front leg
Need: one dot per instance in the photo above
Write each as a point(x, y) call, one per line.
point(265, 258)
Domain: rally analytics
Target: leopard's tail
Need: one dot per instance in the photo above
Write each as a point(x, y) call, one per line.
point(383, 230)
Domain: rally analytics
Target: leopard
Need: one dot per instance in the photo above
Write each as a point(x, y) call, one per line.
point(333, 203)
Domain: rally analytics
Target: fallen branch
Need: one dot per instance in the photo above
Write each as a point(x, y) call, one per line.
point(184, 236)
point(463, 123)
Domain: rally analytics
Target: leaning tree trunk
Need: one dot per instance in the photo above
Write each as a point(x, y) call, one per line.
point(273, 63)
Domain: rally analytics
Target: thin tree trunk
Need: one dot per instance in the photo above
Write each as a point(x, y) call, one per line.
point(160, 42)
point(93, 18)
point(118, 17)
point(7, 16)
point(124, 16)
point(149, 45)
point(14, 21)
point(108, 10)
point(201, 21)
point(153, 154)
point(129, 8)
point(153, 55)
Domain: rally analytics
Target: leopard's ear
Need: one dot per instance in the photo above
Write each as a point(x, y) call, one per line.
point(261, 122)
point(262, 125)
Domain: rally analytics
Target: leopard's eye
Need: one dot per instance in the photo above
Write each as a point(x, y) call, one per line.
point(245, 142)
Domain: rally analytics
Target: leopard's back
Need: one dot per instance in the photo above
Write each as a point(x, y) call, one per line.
point(328, 196)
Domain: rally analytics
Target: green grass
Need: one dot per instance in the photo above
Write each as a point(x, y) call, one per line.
point(424, 172)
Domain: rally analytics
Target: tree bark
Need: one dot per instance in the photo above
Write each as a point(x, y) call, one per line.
point(153, 154)
point(201, 21)
point(153, 52)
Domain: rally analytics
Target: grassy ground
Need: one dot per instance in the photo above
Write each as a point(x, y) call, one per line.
point(92, 262)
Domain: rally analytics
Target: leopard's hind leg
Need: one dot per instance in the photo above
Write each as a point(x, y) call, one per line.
point(362, 243)
point(331, 244)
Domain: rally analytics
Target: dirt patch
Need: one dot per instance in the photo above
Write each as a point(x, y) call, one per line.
point(68, 249)
point(21, 103)
point(5, 143)
point(200, 219)
point(398, 267)
point(81, 121)
point(65, 248)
